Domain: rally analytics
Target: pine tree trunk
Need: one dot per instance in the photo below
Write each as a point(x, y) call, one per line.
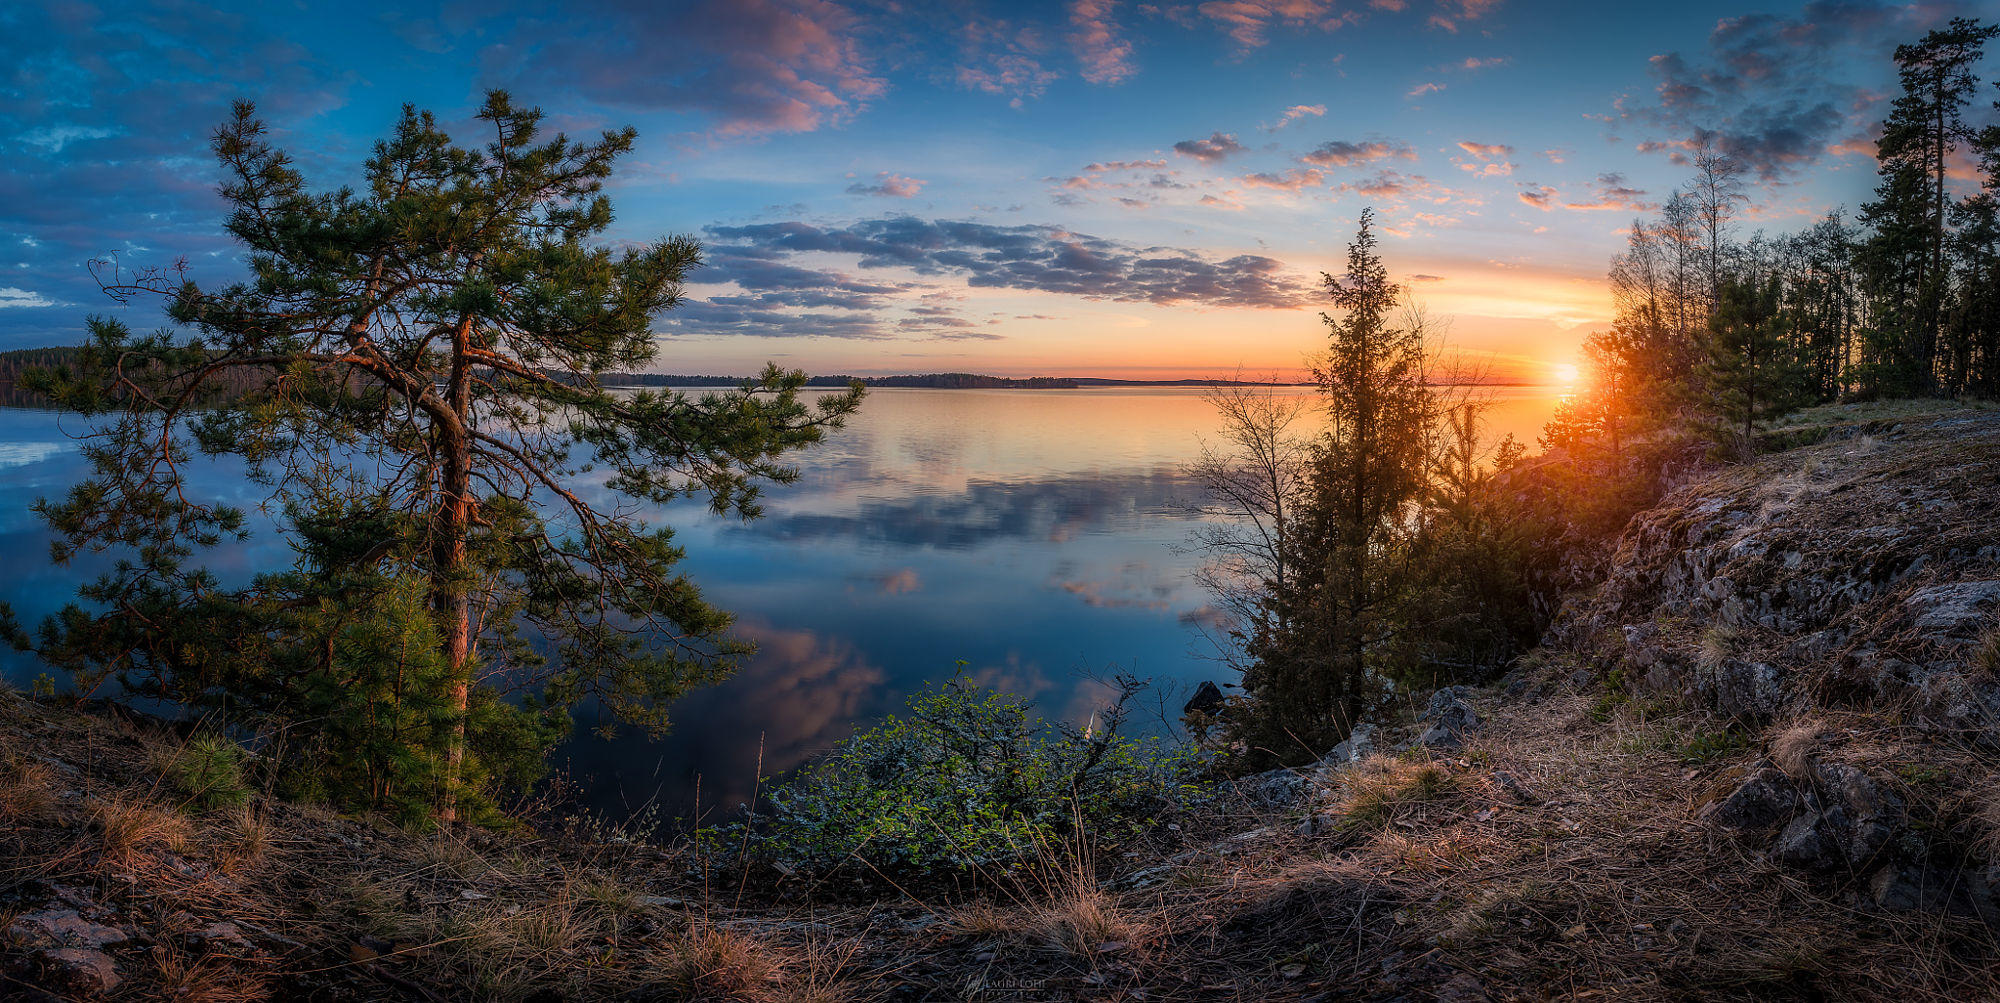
point(452, 603)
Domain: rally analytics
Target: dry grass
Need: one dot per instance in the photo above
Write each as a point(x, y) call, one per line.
point(127, 827)
point(185, 978)
point(1081, 921)
point(985, 920)
point(1794, 748)
point(1986, 819)
point(27, 789)
point(711, 962)
point(1381, 789)
point(821, 973)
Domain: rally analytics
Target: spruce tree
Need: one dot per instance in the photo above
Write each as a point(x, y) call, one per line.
point(1336, 629)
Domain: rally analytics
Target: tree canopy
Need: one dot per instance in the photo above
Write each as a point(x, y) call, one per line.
point(411, 373)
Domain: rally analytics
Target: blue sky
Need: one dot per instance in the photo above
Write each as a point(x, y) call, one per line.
point(1082, 187)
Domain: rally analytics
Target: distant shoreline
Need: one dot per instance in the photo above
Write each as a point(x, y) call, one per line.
point(966, 381)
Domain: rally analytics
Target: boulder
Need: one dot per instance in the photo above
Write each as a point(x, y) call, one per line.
point(64, 928)
point(1807, 844)
point(1451, 717)
point(1764, 801)
point(1956, 611)
point(1207, 699)
point(1861, 817)
point(79, 971)
point(1359, 744)
point(1280, 788)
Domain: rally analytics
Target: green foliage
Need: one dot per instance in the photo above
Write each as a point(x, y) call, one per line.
point(413, 376)
point(1709, 746)
point(208, 772)
point(1336, 622)
point(970, 778)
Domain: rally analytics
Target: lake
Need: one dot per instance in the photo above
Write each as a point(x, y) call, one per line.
point(1032, 534)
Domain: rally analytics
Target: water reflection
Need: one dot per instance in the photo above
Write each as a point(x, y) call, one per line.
point(1031, 533)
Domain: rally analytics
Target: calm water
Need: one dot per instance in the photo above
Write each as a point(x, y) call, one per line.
point(1030, 533)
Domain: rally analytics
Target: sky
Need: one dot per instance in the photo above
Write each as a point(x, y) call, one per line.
point(1090, 187)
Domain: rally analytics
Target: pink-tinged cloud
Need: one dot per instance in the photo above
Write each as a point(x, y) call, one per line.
point(1612, 192)
point(1210, 150)
point(1490, 160)
point(1539, 196)
point(1248, 21)
point(1296, 112)
point(1452, 12)
point(1222, 203)
point(1107, 166)
point(1010, 73)
point(889, 185)
point(1428, 87)
point(1105, 54)
point(1392, 6)
point(1475, 63)
point(757, 66)
point(1292, 180)
point(1341, 153)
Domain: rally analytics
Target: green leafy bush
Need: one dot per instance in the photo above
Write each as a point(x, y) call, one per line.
point(968, 777)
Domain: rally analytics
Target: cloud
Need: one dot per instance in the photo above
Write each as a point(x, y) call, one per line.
point(754, 67)
point(889, 185)
point(1424, 88)
point(1215, 148)
point(1040, 258)
point(1014, 73)
point(1774, 91)
point(1340, 153)
point(1398, 187)
point(1488, 159)
point(1537, 196)
point(1292, 180)
point(1296, 112)
point(12, 297)
point(1471, 63)
point(1106, 56)
point(1612, 192)
point(1248, 21)
point(1452, 12)
point(897, 582)
point(1107, 166)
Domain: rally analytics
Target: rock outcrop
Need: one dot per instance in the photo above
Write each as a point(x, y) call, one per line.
point(1862, 569)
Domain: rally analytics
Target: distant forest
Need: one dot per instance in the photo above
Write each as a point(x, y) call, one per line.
point(13, 363)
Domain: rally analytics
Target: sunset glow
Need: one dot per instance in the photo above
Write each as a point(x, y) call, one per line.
point(1062, 188)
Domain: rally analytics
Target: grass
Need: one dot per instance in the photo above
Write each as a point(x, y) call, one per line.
point(711, 962)
point(1378, 791)
point(27, 788)
point(127, 827)
point(1795, 748)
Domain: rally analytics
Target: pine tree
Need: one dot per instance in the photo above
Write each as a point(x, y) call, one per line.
point(1904, 261)
point(412, 374)
point(1750, 354)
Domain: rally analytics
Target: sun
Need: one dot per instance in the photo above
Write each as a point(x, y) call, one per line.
point(1565, 373)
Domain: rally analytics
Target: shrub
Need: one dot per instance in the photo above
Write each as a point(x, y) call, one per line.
point(969, 778)
point(208, 771)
